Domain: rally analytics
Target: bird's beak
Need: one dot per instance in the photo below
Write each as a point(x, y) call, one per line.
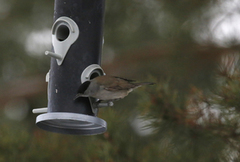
point(80, 95)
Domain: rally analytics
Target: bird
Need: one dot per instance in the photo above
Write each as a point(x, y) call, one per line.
point(108, 88)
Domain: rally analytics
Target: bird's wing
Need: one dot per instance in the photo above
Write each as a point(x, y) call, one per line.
point(128, 80)
point(118, 84)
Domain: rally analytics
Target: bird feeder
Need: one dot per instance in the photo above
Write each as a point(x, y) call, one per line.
point(77, 39)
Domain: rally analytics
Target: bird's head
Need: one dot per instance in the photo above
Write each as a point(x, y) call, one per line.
point(82, 90)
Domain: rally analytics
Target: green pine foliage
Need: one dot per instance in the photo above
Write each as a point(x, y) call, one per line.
point(200, 125)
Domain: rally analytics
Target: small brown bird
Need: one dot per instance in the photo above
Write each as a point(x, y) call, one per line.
point(108, 88)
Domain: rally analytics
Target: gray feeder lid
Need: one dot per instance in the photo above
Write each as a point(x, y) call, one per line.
point(71, 123)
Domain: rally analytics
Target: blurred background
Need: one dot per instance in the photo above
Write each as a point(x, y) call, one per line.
point(190, 49)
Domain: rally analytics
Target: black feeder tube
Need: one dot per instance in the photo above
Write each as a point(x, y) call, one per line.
point(77, 35)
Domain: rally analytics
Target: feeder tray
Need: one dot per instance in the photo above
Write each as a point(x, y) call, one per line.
point(71, 123)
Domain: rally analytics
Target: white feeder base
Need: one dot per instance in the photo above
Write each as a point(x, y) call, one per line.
point(71, 123)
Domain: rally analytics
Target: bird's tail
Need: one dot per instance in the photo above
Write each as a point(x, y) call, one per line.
point(145, 83)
